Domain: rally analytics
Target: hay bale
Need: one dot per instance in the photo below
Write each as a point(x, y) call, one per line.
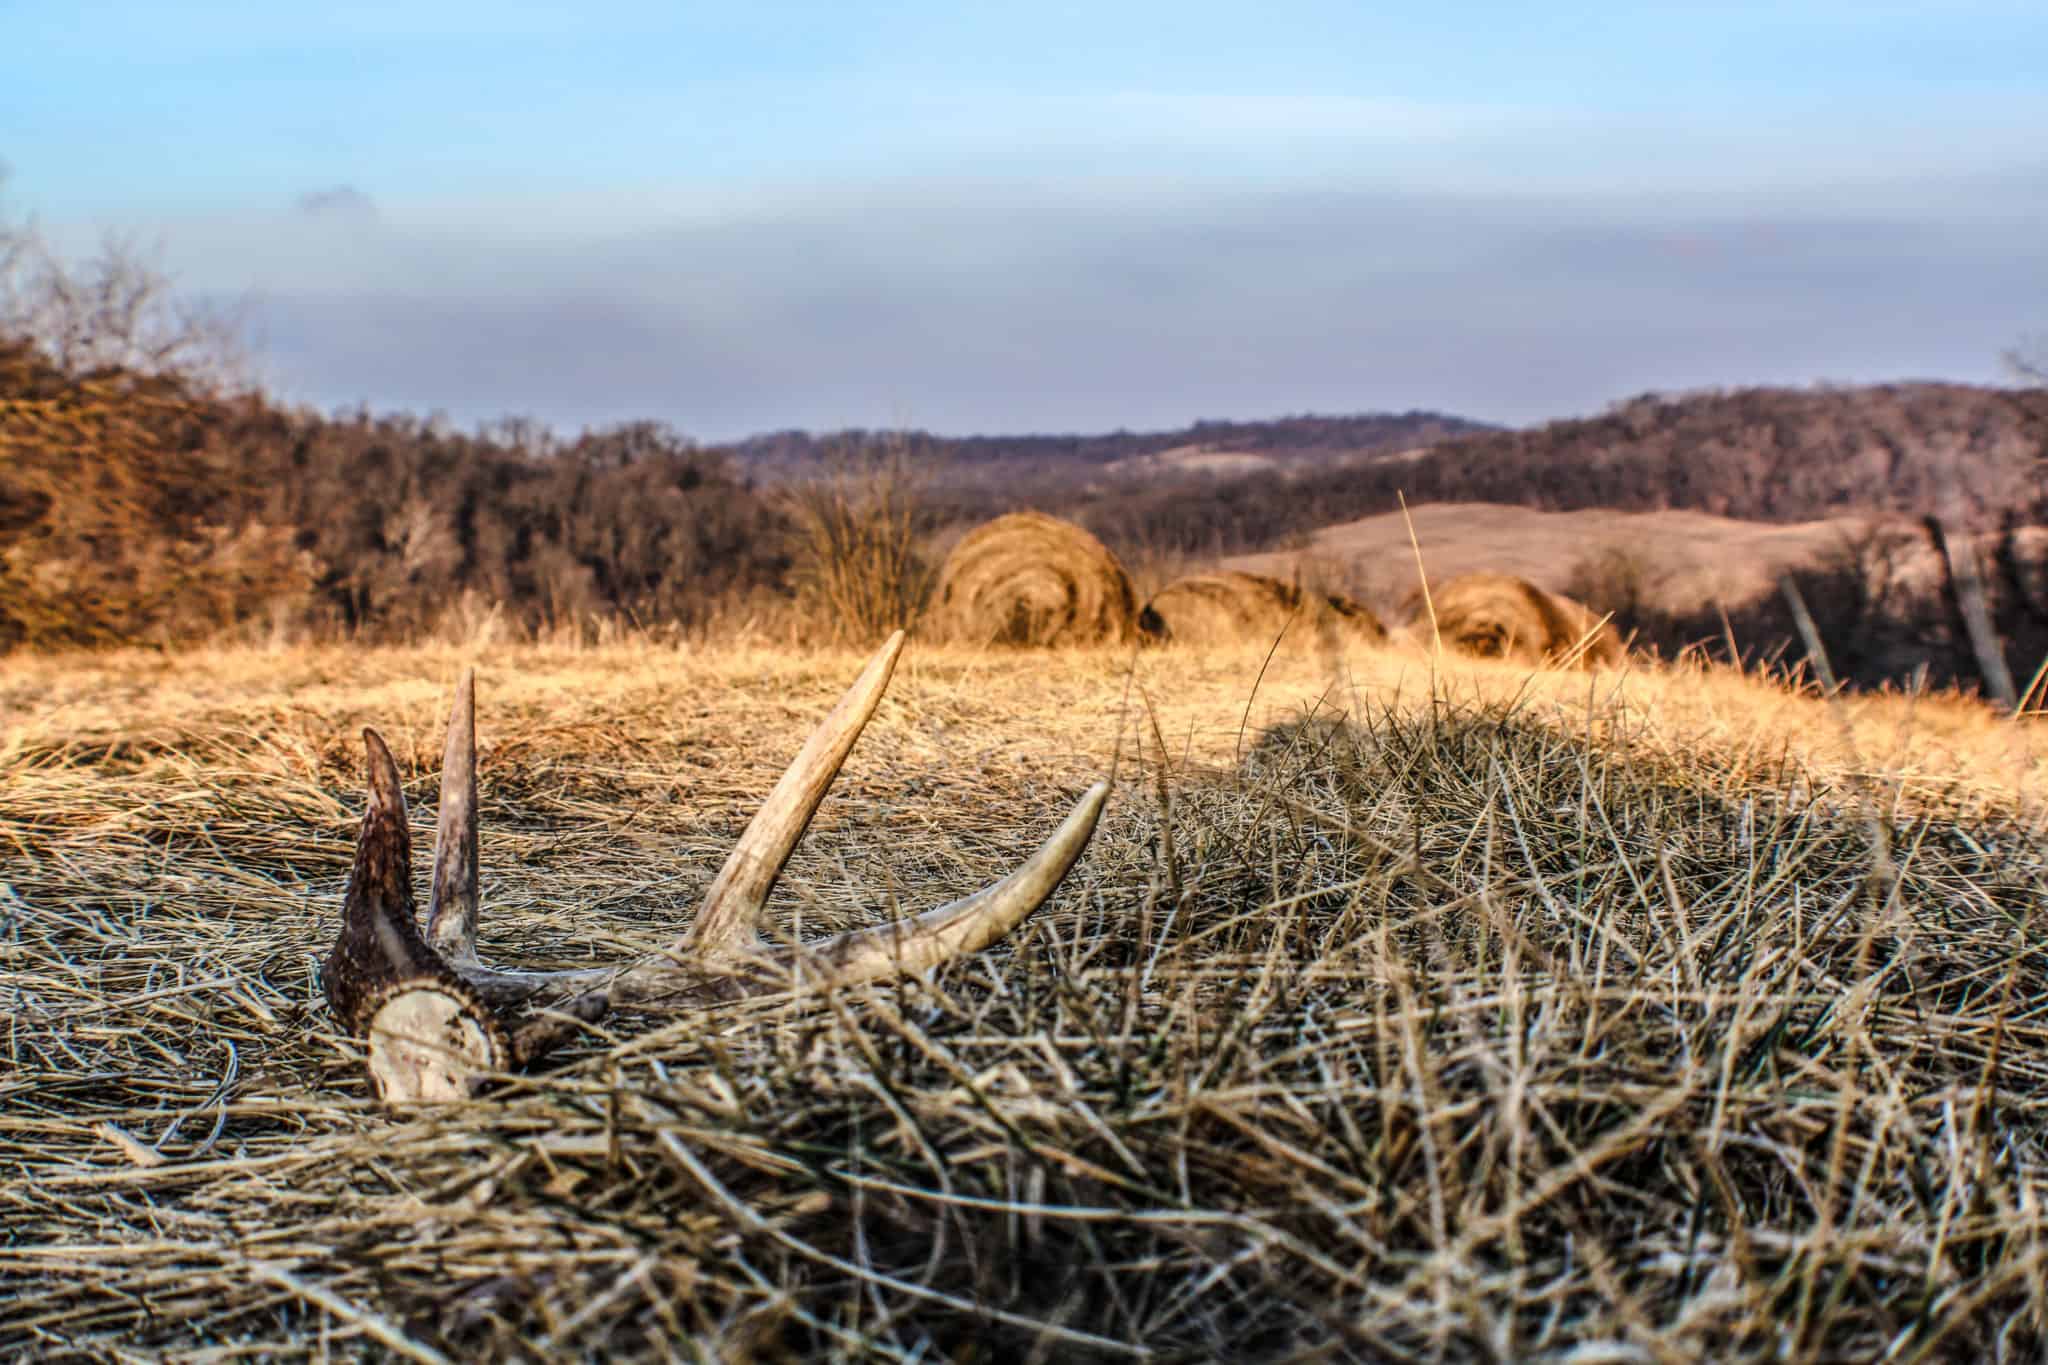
point(1033, 580)
point(1220, 608)
point(1502, 616)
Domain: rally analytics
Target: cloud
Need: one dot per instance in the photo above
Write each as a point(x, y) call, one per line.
point(340, 202)
point(1019, 306)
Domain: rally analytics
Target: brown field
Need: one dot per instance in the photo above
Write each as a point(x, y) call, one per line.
point(1698, 557)
point(1402, 1008)
point(1217, 464)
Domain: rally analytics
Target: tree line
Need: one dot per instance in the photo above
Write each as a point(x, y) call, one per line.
point(140, 507)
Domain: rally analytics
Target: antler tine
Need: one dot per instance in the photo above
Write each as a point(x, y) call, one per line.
point(454, 905)
point(379, 935)
point(428, 1033)
point(725, 925)
point(956, 929)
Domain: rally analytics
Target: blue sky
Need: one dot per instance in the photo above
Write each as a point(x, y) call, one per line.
point(1054, 216)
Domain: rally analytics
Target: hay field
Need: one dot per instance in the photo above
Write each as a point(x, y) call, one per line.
point(1401, 1009)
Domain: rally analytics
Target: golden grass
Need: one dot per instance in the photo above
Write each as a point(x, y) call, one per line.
point(1401, 1008)
point(283, 709)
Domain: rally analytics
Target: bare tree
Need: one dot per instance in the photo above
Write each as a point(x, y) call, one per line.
point(117, 308)
point(2028, 363)
point(2029, 359)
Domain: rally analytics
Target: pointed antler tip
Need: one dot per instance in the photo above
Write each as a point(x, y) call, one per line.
point(385, 788)
point(883, 663)
point(1087, 811)
point(452, 910)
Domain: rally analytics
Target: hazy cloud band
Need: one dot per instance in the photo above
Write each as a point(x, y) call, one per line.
point(1016, 306)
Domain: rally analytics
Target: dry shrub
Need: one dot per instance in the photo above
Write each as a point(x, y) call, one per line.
point(1030, 579)
point(858, 572)
point(1233, 606)
point(1502, 616)
point(1618, 580)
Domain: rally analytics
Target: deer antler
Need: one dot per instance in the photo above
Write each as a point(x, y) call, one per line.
point(435, 1020)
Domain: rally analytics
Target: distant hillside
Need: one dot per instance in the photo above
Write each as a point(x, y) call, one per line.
point(1766, 454)
point(1070, 466)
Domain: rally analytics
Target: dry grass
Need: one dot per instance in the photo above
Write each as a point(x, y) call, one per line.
point(1647, 1016)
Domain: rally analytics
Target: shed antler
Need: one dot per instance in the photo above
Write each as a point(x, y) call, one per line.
point(435, 1020)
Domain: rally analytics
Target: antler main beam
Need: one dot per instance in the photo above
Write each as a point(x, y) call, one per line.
point(726, 924)
point(435, 1020)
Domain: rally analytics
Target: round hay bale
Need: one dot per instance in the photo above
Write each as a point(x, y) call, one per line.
point(1350, 614)
point(1502, 616)
point(1219, 608)
point(1033, 580)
